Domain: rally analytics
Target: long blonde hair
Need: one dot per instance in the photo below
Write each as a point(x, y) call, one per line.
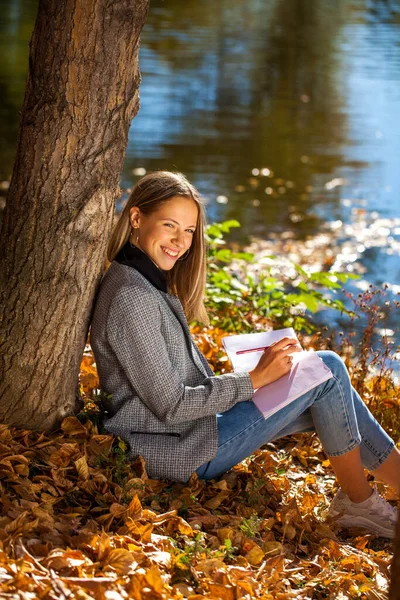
point(187, 278)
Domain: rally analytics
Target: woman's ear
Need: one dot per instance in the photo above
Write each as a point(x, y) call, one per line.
point(134, 217)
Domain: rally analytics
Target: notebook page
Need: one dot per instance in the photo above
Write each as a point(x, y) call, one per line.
point(246, 341)
point(308, 370)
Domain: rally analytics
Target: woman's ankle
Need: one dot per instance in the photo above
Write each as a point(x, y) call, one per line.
point(389, 471)
point(359, 496)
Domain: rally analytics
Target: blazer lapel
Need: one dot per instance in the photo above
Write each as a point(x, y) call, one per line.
point(176, 307)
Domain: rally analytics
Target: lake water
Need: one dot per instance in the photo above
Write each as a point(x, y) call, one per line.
point(284, 113)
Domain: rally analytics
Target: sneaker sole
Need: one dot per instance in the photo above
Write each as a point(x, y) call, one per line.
point(366, 524)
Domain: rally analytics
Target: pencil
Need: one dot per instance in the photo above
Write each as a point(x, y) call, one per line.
point(252, 350)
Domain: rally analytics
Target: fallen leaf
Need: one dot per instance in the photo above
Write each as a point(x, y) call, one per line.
point(72, 426)
point(223, 592)
point(121, 560)
point(82, 468)
point(255, 555)
point(134, 509)
point(272, 548)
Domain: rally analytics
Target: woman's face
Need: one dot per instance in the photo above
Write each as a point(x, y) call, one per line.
point(167, 233)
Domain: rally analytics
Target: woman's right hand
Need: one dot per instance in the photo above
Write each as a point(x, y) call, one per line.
point(275, 361)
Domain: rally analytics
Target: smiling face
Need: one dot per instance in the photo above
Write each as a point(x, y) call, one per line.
point(167, 233)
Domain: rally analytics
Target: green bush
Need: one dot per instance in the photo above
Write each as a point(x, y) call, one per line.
point(235, 295)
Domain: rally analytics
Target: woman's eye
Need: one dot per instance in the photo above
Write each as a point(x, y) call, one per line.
point(168, 224)
point(191, 230)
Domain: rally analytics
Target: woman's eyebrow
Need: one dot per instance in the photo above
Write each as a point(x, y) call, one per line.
point(176, 222)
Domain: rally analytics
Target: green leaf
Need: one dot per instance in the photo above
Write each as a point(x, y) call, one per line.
point(122, 445)
point(246, 256)
point(344, 277)
point(214, 230)
point(224, 255)
point(226, 226)
point(300, 270)
point(310, 302)
point(325, 279)
point(302, 286)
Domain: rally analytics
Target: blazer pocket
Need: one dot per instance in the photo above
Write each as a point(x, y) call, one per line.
point(164, 433)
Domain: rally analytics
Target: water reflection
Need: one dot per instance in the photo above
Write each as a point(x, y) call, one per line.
point(16, 24)
point(305, 95)
point(229, 87)
point(246, 86)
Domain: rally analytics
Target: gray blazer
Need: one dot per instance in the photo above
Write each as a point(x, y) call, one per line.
point(164, 396)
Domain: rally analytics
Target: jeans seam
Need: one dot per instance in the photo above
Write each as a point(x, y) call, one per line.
point(345, 410)
point(381, 459)
point(372, 448)
point(354, 442)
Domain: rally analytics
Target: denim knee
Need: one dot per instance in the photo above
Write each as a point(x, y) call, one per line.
point(334, 362)
point(333, 410)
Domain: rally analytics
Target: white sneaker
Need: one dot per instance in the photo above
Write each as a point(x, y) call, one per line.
point(374, 514)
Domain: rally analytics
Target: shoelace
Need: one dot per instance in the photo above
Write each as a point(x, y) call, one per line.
point(384, 508)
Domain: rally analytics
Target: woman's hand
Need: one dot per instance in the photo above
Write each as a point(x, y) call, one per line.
point(275, 361)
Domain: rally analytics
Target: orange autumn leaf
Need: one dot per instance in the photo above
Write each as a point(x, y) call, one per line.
point(154, 580)
point(222, 592)
point(137, 529)
point(117, 509)
point(121, 560)
point(178, 524)
point(82, 468)
point(88, 374)
point(309, 501)
point(272, 548)
point(72, 426)
point(215, 501)
point(134, 509)
point(255, 555)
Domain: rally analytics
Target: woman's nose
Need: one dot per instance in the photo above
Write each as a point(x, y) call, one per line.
point(179, 239)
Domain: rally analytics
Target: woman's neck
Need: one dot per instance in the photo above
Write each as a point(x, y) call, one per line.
point(149, 257)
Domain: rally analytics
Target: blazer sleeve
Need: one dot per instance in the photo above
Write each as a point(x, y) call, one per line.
point(134, 333)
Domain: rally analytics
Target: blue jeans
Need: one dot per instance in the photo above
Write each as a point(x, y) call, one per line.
point(333, 409)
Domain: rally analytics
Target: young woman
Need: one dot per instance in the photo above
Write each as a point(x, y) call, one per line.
point(164, 400)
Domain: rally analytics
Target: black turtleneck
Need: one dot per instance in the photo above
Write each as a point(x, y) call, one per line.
point(135, 258)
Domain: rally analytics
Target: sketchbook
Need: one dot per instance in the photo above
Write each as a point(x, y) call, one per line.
point(307, 372)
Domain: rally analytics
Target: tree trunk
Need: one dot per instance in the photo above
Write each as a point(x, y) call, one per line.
point(394, 591)
point(81, 95)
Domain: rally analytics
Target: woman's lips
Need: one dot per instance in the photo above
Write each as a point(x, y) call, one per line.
point(169, 252)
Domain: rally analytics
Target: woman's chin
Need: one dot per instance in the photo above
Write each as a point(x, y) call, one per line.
point(166, 263)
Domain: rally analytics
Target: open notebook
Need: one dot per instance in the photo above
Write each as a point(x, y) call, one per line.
point(307, 371)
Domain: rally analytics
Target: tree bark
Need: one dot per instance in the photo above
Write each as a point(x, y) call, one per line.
point(81, 94)
point(394, 591)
